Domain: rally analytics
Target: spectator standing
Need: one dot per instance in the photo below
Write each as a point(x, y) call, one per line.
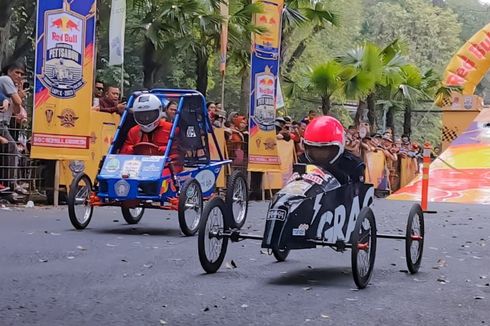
point(170, 111)
point(110, 102)
point(98, 92)
point(11, 98)
point(353, 141)
point(311, 115)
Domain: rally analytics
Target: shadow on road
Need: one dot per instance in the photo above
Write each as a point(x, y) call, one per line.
point(333, 276)
point(137, 231)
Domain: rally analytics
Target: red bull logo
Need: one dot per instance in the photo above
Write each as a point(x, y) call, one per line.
point(263, 20)
point(65, 24)
point(266, 82)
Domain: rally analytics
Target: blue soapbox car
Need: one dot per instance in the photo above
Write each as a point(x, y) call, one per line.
point(138, 182)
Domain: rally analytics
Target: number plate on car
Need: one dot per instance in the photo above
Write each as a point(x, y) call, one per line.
point(276, 214)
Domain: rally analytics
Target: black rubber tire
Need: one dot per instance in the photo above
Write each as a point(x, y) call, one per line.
point(211, 266)
point(71, 201)
point(280, 255)
point(237, 177)
point(415, 213)
point(128, 216)
point(186, 229)
point(362, 278)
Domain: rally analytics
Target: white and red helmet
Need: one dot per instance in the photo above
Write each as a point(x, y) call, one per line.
point(324, 140)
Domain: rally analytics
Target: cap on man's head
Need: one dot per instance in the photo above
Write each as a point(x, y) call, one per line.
point(281, 120)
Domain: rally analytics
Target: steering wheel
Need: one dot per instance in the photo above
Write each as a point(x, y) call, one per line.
point(145, 148)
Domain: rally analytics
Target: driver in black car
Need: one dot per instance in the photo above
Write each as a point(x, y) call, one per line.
point(324, 139)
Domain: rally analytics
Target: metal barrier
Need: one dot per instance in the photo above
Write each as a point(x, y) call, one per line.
point(238, 153)
point(20, 177)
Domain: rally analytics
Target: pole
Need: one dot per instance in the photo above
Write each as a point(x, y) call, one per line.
point(425, 175)
point(223, 91)
point(122, 79)
point(56, 190)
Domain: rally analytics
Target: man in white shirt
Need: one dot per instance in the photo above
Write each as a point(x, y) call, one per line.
point(11, 89)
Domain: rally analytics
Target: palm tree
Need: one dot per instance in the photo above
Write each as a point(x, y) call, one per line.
point(303, 13)
point(326, 80)
point(415, 87)
point(379, 69)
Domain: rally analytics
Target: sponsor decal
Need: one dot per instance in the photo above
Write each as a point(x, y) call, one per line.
point(206, 179)
point(68, 118)
point(49, 115)
point(265, 91)
point(48, 140)
point(293, 177)
point(153, 158)
point(131, 168)
point(112, 165)
point(313, 178)
point(151, 168)
point(276, 215)
point(191, 133)
point(93, 138)
point(121, 188)
point(331, 224)
point(64, 43)
point(299, 232)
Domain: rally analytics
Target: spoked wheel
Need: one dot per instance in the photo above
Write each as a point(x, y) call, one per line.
point(363, 241)
point(132, 215)
point(237, 199)
point(414, 243)
point(211, 243)
point(79, 208)
point(190, 207)
point(280, 254)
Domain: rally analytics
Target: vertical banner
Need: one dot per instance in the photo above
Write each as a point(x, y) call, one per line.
point(117, 28)
point(64, 77)
point(224, 11)
point(264, 81)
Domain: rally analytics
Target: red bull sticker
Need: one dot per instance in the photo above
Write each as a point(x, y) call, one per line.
point(265, 114)
point(64, 41)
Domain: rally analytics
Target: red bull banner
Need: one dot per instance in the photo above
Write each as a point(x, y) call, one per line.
point(470, 64)
point(64, 74)
point(266, 49)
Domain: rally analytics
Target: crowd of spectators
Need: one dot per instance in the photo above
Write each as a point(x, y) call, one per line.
point(359, 140)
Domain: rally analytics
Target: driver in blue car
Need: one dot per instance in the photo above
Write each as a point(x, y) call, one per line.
point(151, 133)
point(324, 140)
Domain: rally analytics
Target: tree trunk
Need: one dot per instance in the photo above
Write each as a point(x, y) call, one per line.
point(360, 113)
point(371, 106)
point(407, 119)
point(150, 66)
point(24, 46)
point(298, 52)
point(245, 91)
point(5, 30)
point(390, 119)
point(202, 72)
point(326, 105)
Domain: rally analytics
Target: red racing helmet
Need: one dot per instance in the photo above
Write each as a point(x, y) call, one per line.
point(324, 140)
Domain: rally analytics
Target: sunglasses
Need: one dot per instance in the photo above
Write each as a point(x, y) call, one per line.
point(99, 88)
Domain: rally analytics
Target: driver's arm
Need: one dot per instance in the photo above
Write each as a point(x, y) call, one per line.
point(132, 139)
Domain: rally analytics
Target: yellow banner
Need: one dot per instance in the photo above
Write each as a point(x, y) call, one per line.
point(276, 180)
point(63, 81)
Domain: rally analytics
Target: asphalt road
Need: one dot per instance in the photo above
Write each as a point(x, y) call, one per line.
point(116, 274)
